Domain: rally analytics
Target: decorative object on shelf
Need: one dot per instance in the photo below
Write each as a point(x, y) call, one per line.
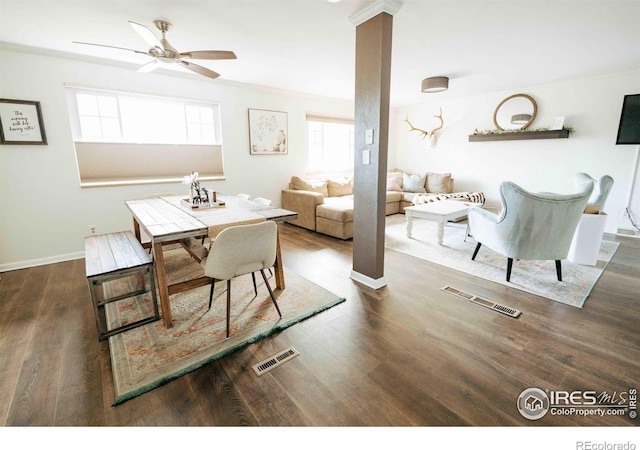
point(558, 123)
point(267, 132)
point(522, 132)
point(435, 84)
point(517, 109)
point(21, 123)
point(433, 138)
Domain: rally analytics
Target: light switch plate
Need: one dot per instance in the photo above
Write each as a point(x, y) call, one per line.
point(366, 157)
point(368, 137)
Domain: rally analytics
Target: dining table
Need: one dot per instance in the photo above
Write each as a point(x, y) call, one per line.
point(171, 219)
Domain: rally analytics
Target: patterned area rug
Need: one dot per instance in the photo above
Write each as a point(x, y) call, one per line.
point(536, 277)
point(149, 356)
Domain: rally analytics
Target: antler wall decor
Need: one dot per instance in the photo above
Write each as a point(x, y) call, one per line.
point(430, 134)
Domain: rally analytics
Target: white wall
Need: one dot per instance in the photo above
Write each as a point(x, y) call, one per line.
point(591, 106)
point(45, 214)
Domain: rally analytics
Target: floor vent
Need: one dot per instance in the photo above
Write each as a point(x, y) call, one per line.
point(482, 302)
point(275, 360)
point(627, 232)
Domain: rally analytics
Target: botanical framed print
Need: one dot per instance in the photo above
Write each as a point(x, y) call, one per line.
point(21, 122)
point(267, 132)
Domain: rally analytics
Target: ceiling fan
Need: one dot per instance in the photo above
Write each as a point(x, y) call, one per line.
point(163, 52)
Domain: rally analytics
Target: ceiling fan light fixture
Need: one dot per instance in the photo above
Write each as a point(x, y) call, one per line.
point(165, 59)
point(435, 84)
point(163, 52)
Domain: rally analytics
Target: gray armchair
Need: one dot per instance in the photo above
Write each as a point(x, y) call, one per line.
point(585, 248)
point(601, 188)
point(530, 226)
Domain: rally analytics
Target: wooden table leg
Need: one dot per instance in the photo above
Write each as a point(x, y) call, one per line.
point(136, 230)
point(278, 265)
point(163, 289)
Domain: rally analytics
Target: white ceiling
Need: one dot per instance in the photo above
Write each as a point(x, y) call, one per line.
point(308, 45)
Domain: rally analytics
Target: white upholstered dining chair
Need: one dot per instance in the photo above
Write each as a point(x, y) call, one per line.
point(240, 250)
point(265, 202)
point(530, 226)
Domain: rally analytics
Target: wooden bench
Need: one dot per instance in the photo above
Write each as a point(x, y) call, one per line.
point(113, 256)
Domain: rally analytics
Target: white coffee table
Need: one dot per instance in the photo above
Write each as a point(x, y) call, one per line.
point(440, 212)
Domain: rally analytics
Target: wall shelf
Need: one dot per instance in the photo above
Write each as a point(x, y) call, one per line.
point(520, 135)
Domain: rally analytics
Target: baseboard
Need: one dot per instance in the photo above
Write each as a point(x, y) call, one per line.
point(368, 281)
point(40, 261)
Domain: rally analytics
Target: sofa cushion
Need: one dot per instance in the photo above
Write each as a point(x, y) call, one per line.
point(393, 196)
point(339, 209)
point(394, 181)
point(438, 183)
point(409, 196)
point(312, 184)
point(413, 183)
point(339, 187)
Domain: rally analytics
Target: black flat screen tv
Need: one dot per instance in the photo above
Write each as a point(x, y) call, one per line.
point(629, 128)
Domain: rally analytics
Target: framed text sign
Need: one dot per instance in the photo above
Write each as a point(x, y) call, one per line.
point(21, 122)
point(267, 132)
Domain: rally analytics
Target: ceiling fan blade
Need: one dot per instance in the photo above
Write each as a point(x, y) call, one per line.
point(146, 34)
point(209, 54)
point(111, 46)
point(199, 69)
point(148, 67)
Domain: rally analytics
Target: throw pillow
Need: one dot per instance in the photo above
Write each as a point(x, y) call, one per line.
point(439, 183)
point(394, 181)
point(315, 185)
point(413, 183)
point(339, 186)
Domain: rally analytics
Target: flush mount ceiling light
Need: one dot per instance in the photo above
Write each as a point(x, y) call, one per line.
point(435, 84)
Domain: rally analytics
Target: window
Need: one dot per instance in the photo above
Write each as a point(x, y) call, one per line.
point(126, 138)
point(107, 116)
point(330, 143)
point(99, 116)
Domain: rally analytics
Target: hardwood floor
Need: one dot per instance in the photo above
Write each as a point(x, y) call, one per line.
point(405, 355)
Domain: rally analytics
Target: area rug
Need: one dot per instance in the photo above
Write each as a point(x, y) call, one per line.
point(536, 277)
point(150, 355)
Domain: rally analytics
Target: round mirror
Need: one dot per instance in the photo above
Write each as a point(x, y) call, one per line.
point(515, 112)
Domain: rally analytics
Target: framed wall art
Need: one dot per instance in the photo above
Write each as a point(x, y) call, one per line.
point(21, 123)
point(267, 132)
